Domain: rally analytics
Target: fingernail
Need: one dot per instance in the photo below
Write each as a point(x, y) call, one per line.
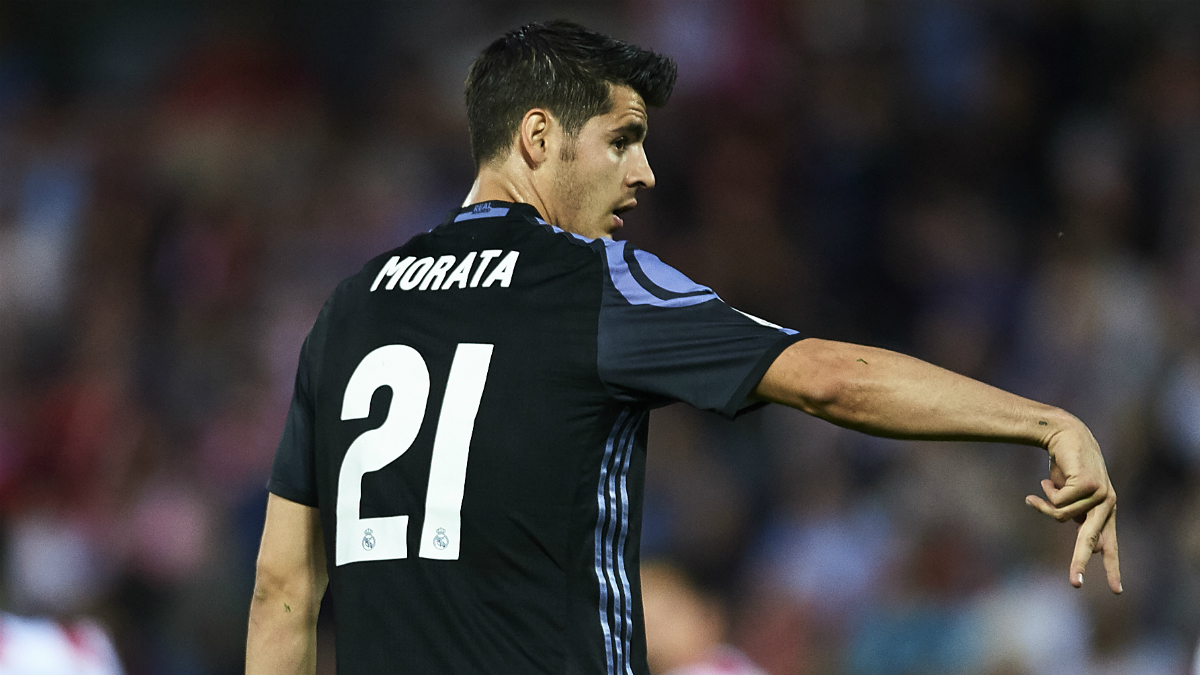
point(1079, 578)
point(1120, 587)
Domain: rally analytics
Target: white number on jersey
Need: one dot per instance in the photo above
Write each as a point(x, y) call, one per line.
point(403, 369)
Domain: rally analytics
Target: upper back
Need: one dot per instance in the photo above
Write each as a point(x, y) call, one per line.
point(470, 419)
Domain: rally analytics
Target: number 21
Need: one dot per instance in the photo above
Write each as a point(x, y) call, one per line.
point(403, 369)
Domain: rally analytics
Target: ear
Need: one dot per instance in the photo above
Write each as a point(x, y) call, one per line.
point(536, 136)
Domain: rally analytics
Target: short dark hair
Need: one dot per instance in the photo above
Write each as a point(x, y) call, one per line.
point(562, 67)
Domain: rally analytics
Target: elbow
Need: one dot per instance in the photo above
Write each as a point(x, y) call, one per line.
point(810, 376)
point(295, 594)
point(267, 586)
point(829, 382)
point(270, 586)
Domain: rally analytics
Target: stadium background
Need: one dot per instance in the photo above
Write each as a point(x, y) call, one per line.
point(1008, 189)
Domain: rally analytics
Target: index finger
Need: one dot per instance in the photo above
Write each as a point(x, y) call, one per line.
point(1087, 541)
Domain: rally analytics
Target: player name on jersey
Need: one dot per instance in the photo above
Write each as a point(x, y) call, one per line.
point(447, 271)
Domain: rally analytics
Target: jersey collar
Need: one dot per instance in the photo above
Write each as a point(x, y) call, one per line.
point(493, 209)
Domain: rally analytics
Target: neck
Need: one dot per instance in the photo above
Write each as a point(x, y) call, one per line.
point(499, 184)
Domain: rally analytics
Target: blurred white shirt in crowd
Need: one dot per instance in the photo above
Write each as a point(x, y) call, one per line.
point(38, 646)
point(1196, 662)
point(724, 660)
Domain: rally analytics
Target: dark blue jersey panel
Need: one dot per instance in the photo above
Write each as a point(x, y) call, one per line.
point(665, 338)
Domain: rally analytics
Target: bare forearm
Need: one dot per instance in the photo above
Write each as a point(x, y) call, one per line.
point(884, 393)
point(289, 583)
point(889, 394)
point(282, 636)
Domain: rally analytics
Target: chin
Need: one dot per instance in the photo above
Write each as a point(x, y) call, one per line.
point(613, 223)
point(602, 227)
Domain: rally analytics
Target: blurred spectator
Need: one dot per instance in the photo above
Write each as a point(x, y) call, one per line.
point(923, 622)
point(1032, 624)
point(685, 629)
point(39, 646)
point(1196, 661)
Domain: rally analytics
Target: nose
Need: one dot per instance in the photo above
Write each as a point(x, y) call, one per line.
point(640, 173)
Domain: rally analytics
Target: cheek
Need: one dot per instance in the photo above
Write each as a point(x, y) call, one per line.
point(569, 185)
point(591, 185)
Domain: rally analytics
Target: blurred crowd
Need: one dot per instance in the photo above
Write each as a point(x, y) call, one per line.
point(1006, 188)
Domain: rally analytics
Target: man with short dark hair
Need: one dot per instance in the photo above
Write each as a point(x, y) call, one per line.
point(463, 459)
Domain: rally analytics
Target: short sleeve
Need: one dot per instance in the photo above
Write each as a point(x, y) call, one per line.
point(664, 338)
point(292, 473)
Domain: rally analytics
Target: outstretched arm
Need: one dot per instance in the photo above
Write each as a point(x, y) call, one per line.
point(884, 393)
point(290, 582)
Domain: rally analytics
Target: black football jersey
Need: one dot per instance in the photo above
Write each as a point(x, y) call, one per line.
point(470, 418)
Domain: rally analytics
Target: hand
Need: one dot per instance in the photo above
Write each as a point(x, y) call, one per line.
point(1079, 489)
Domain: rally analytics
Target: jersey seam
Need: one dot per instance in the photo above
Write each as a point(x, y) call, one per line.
point(606, 280)
point(733, 407)
point(290, 492)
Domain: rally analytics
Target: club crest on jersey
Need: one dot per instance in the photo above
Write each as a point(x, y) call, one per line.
point(474, 270)
point(368, 541)
point(441, 541)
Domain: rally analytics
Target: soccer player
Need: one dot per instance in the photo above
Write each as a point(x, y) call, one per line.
point(464, 455)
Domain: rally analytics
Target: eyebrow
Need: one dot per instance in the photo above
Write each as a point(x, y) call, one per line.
point(636, 129)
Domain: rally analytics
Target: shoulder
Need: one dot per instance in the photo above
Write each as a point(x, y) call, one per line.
point(641, 278)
